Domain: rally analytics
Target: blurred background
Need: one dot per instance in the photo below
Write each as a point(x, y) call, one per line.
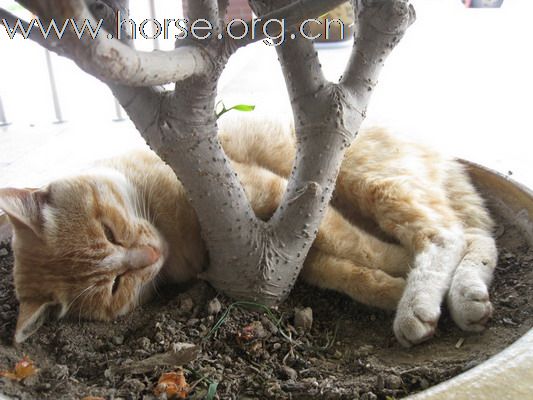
point(460, 80)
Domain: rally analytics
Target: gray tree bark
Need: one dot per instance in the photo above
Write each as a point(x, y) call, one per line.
point(249, 258)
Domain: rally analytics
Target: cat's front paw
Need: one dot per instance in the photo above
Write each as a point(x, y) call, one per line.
point(415, 322)
point(470, 306)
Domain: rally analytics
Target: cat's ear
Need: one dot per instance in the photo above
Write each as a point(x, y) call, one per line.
point(24, 207)
point(32, 315)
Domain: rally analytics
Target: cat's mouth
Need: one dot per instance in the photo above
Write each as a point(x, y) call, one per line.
point(143, 276)
point(116, 283)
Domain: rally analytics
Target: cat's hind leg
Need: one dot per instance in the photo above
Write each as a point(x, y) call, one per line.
point(369, 286)
point(420, 217)
point(338, 237)
point(468, 297)
point(437, 254)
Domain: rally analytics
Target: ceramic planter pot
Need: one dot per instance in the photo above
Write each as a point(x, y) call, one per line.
point(508, 374)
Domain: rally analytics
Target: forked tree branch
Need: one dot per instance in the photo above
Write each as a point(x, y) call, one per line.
point(328, 116)
point(112, 60)
point(248, 258)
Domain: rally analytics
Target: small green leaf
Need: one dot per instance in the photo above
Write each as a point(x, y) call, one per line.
point(212, 391)
point(220, 108)
point(243, 107)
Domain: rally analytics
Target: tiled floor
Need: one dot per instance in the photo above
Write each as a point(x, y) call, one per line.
point(461, 79)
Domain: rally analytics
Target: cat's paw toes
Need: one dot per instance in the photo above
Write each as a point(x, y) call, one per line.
point(415, 324)
point(470, 307)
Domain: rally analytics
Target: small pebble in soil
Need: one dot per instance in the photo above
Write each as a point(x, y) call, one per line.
point(60, 372)
point(393, 382)
point(269, 325)
point(424, 384)
point(186, 305)
point(30, 381)
point(43, 387)
point(227, 360)
point(214, 307)
point(144, 343)
point(289, 373)
point(118, 340)
point(303, 318)
point(365, 349)
point(259, 330)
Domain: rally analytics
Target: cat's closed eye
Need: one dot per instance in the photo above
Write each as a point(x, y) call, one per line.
point(109, 235)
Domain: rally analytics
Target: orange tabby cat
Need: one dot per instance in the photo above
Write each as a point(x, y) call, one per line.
point(95, 245)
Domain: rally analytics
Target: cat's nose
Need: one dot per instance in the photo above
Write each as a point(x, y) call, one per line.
point(144, 256)
point(152, 254)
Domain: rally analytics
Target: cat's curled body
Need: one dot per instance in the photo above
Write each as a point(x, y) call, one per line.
point(95, 245)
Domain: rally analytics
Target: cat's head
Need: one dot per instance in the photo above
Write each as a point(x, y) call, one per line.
point(82, 248)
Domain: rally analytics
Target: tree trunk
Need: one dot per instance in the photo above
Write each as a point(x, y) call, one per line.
point(249, 258)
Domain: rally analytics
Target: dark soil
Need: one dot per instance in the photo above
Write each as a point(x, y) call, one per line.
point(349, 353)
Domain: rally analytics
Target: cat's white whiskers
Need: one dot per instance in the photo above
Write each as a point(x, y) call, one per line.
point(136, 204)
point(137, 296)
point(148, 201)
point(89, 295)
point(140, 201)
point(80, 294)
point(141, 198)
